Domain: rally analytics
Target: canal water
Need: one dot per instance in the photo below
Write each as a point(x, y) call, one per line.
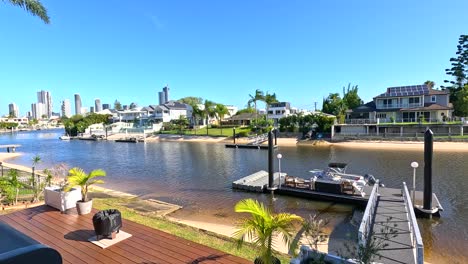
point(198, 176)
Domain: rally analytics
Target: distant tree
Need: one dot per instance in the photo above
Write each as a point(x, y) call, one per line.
point(269, 99)
point(258, 96)
point(429, 84)
point(133, 105)
point(191, 100)
point(220, 111)
point(77, 123)
point(197, 114)
point(351, 98)
point(334, 105)
point(459, 71)
point(249, 110)
point(182, 122)
point(461, 107)
point(117, 105)
point(208, 112)
point(34, 7)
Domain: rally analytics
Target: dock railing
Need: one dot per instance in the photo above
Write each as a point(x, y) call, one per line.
point(366, 223)
point(416, 239)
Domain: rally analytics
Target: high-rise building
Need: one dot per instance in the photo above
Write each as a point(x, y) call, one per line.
point(66, 108)
point(91, 109)
point(97, 105)
point(44, 98)
point(13, 110)
point(105, 106)
point(77, 104)
point(164, 95)
point(37, 110)
point(161, 98)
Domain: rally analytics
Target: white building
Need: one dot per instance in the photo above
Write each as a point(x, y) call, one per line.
point(232, 110)
point(37, 111)
point(276, 111)
point(13, 110)
point(21, 121)
point(66, 108)
point(44, 98)
point(130, 115)
point(171, 110)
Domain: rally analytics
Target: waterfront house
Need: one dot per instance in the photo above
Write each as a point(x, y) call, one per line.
point(276, 111)
point(170, 111)
point(404, 104)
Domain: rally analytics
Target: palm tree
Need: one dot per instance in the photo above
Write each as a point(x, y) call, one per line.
point(11, 185)
point(34, 7)
point(78, 177)
point(429, 84)
point(36, 160)
point(221, 110)
point(269, 99)
point(208, 112)
point(262, 227)
point(253, 99)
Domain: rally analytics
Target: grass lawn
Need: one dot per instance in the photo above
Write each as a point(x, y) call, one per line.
point(206, 238)
point(214, 132)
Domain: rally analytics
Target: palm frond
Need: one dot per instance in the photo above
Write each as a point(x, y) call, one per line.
point(253, 207)
point(34, 7)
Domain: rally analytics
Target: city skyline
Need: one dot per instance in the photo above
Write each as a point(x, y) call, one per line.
point(206, 50)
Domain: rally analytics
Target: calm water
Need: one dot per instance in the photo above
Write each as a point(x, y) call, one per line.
point(198, 176)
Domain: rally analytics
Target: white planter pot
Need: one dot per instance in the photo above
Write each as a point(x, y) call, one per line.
point(61, 200)
point(84, 207)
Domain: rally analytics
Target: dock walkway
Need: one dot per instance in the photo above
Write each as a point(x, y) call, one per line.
point(391, 214)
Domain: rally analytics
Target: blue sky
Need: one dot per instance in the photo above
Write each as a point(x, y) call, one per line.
point(223, 50)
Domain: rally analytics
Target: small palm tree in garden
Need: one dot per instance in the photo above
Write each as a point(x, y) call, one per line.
point(262, 227)
point(11, 185)
point(78, 177)
point(36, 160)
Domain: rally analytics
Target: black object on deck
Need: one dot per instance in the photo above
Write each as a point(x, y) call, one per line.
point(270, 159)
point(428, 153)
point(106, 223)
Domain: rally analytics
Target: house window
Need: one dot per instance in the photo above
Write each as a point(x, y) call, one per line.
point(381, 115)
point(433, 99)
point(414, 100)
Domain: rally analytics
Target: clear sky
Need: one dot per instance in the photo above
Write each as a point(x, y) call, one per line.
point(224, 50)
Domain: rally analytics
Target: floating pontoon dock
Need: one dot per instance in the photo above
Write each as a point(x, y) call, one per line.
point(258, 182)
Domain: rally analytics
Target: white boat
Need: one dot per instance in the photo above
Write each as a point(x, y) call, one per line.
point(65, 137)
point(335, 175)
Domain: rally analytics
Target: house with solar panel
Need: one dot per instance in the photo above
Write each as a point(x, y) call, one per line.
point(415, 103)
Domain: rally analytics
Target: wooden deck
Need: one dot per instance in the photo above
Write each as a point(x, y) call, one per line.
point(69, 233)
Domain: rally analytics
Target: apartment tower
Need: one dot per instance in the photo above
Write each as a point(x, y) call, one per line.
point(77, 104)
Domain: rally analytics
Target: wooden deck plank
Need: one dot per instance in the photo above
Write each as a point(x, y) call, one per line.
point(68, 233)
point(68, 229)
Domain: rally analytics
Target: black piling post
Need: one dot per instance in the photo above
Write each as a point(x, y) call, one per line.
point(270, 160)
point(276, 137)
point(234, 135)
point(428, 153)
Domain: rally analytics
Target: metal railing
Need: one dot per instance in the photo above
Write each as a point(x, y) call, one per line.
point(416, 239)
point(366, 223)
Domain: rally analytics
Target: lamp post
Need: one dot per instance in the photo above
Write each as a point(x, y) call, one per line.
point(414, 165)
point(279, 156)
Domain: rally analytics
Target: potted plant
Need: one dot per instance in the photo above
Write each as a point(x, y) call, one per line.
point(54, 194)
point(78, 177)
point(262, 227)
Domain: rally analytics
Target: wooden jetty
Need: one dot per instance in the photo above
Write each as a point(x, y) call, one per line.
point(127, 140)
point(255, 142)
point(11, 147)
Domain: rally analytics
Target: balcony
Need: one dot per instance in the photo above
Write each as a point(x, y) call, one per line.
point(393, 106)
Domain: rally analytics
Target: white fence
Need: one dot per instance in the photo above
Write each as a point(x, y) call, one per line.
point(366, 223)
point(416, 239)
